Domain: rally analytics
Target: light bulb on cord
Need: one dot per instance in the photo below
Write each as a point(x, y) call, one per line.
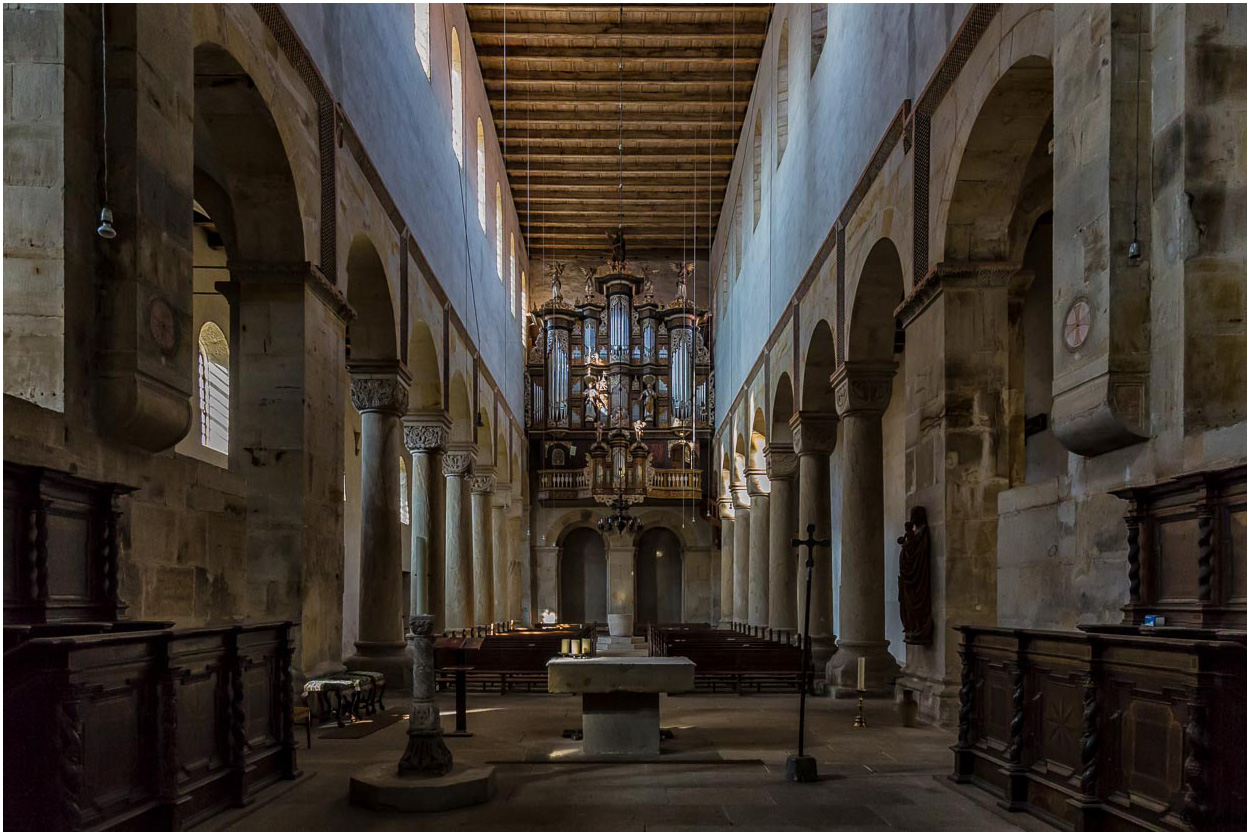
point(105, 230)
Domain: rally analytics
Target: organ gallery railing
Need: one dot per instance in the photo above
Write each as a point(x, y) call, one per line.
point(661, 483)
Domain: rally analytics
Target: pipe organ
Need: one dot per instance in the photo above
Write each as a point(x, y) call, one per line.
point(619, 384)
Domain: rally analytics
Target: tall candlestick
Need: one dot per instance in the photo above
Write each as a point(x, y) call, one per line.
point(859, 685)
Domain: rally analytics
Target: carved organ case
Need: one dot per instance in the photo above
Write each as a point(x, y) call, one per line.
point(623, 377)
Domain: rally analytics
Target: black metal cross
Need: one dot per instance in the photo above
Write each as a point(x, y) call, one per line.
point(804, 768)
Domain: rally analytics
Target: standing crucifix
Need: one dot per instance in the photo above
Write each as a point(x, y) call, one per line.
point(801, 768)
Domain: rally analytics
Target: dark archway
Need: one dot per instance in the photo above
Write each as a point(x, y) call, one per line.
point(583, 577)
point(657, 577)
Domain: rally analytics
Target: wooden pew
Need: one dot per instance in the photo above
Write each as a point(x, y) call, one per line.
point(732, 661)
point(505, 660)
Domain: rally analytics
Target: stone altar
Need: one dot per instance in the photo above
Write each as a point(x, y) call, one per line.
point(620, 699)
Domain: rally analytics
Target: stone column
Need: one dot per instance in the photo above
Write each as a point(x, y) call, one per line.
point(515, 600)
point(620, 584)
point(546, 581)
point(458, 570)
point(862, 392)
point(814, 435)
point(499, 505)
point(380, 394)
point(425, 436)
point(726, 562)
point(757, 563)
point(783, 568)
point(483, 486)
point(427, 753)
point(742, 554)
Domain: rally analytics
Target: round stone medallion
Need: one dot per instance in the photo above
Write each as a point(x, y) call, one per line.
point(1076, 324)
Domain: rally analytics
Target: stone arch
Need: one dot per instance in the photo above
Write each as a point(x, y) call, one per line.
point(726, 473)
point(458, 410)
point(371, 335)
point(783, 409)
point(1006, 148)
point(501, 455)
point(759, 440)
point(740, 459)
point(426, 391)
point(485, 440)
point(243, 176)
point(819, 365)
point(871, 332)
point(658, 587)
point(582, 576)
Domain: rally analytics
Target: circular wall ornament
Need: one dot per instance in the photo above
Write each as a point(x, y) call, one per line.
point(163, 325)
point(1077, 323)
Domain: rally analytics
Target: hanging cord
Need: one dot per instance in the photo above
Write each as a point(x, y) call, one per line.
point(620, 119)
point(105, 230)
point(1134, 247)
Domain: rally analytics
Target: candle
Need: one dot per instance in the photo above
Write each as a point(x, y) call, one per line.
point(585, 646)
point(860, 683)
point(564, 646)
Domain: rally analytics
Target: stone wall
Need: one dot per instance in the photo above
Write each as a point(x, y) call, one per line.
point(1000, 117)
point(260, 534)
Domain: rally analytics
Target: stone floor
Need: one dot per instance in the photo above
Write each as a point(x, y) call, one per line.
point(723, 770)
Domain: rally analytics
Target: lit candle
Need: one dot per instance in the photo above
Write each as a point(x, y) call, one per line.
point(860, 683)
point(564, 646)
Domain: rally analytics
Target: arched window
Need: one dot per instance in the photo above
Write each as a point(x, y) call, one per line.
point(457, 98)
point(499, 231)
point(481, 175)
point(524, 303)
point(820, 23)
point(512, 273)
point(421, 34)
point(405, 513)
point(214, 388)
point(783, 89)
point(757, 168)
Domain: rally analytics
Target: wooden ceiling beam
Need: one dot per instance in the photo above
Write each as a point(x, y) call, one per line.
point(631, 172)
point(589, 181)
point(748, 35)
point(634, 118)
point(608, 52)
point(575, 78)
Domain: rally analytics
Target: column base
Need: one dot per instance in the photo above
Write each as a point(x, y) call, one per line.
point(390, 659)
point(937, 700)
point(823, 651)
point(842, 672)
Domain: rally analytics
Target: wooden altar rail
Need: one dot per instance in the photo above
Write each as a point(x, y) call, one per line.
point(1107, 729)
point(145, 730)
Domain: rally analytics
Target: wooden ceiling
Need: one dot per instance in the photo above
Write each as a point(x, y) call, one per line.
point(668, 82)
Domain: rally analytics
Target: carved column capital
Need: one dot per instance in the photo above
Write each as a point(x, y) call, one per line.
point(862, 387)
point(726, 505)
point(742, 500)
point(783, 464)
point(380, 387)
point(757, 482)
point(813, 432)
point(458, 462)
point(426, 432)
point(483, 481)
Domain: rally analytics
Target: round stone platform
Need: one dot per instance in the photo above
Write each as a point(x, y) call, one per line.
point(380, 787)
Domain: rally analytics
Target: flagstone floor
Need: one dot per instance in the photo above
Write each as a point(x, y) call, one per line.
point(730, 774)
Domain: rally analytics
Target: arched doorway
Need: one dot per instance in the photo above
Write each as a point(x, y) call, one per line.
point(657, 577)
point(583, 578)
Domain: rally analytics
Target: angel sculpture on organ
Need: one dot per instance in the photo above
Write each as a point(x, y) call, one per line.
point(618, 245)
point(556, 272)
point(589, 288)
point(648, 284)
point(638, 427)
point(684, 270)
